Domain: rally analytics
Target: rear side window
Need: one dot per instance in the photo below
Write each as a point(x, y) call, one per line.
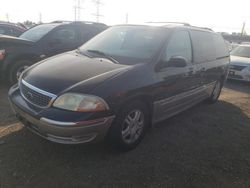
point(203, 45)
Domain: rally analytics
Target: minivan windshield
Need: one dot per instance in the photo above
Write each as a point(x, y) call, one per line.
point(36, 33)
point(138, 43)
point(242, 51)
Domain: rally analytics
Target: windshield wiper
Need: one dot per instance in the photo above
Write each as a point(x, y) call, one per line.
point(109, 57)
point(82, 53)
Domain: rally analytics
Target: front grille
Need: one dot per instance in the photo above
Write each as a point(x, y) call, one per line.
point(35, 96)
point(237, 67)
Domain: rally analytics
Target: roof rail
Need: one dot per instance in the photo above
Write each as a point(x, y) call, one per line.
point(181, 23)
point(61, 21)
point(206, 28)
point(83, 22)
point(88, 22)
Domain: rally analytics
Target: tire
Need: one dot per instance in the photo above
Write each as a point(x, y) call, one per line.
point(16, 70)
point(216, 92)
point(130, 126)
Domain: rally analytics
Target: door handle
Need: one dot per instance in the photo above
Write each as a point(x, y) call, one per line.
point(190, 71)
point(203, 69)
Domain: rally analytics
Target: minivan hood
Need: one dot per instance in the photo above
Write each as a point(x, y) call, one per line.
point(66, 71)
point(14, 40)
point(237, 60)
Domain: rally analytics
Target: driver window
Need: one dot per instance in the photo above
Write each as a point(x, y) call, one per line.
point(179, 45)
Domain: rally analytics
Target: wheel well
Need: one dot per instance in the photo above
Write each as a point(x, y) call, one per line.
point(147, 100)
point(30, 57)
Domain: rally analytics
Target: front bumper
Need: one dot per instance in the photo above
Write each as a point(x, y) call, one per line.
point(64, 132)
point(243, 75)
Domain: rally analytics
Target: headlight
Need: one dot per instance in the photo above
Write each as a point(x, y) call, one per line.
point(80, 103)
point(2, 54)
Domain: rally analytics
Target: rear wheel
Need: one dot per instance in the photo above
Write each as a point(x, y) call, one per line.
point(216, 92)
point(130, 125)
point(16, 70)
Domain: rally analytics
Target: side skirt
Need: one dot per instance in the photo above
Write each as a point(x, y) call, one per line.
point(171, 106)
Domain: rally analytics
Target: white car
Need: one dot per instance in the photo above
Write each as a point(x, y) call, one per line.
point(239, 68)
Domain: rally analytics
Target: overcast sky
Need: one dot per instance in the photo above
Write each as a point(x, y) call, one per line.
point(217, 14)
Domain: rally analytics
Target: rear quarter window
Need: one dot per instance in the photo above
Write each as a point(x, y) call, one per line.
point(203, 46)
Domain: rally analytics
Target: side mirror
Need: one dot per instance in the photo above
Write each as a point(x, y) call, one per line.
point(177, 61)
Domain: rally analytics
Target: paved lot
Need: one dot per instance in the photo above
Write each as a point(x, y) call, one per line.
point(207, 146)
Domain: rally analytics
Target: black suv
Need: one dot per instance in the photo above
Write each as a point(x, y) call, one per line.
point(11, 29)
point(40, 42)
point(120, 82)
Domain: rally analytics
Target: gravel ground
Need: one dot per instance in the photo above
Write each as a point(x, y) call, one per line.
point(206, 146)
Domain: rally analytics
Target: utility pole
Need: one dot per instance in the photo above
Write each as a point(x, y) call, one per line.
point(77, 10)
point(97, 3)
point(40, 18)
point(7, 17)
point(243, 28)
point(127, 18)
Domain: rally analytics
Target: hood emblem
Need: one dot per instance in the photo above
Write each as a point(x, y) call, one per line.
point(29, 95)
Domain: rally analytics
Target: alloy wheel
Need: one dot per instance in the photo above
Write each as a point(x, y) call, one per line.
point(132, 126)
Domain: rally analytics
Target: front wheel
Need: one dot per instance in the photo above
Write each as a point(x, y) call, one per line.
point(129, 127)
point(216, 92)
point(16, 70)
